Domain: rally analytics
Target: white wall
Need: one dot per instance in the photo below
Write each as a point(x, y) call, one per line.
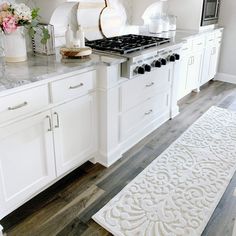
point(228, 20)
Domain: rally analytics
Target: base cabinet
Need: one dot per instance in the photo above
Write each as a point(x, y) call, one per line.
point(74, 133)
point(26, 160)
point(210, 65)
point(199, 62)
point(190, 73)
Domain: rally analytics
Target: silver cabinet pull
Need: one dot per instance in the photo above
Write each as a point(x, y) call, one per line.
point(50, 123)
point(150, 85)
point(58, 121)
point(190, 61)
point(76, 86)
point(18, 106)
point(149, 112)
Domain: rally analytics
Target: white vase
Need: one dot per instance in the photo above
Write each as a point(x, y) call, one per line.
point(15, 46)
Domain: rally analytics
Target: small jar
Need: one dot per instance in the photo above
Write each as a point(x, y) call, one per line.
point(155, 25)
point(166, 23)
point(172, 20)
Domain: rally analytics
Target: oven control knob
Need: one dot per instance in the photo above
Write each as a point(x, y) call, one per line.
point(139, 70)
point(177, 56)
point(157, 63)
point(147, 67)
point(163, 61)
point(172, 58)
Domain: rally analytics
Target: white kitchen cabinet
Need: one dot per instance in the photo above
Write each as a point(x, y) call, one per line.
point(26, 160)
point(210, 65)
point(190, 73)
point(194, 71)
point(74, 133)
point(199, 61)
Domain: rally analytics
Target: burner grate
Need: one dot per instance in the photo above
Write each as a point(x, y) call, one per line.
point(127, 43)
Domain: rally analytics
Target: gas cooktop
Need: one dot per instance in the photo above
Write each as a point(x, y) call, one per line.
point(126, 44)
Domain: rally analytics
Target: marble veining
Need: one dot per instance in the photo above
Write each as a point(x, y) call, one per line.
point(40, 67)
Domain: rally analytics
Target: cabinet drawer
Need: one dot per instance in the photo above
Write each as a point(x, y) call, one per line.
point(72, 87)
point(199, 44)
point(219, 34)
point(210, 39)
point(187, 47)
point(138, 117)
point(136, 91)
point(24, 102)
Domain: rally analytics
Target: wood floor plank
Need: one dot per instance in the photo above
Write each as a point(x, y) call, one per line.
point(74, 228)
point(54, 223)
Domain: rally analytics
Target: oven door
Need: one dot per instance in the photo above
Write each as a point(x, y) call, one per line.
point(210, 13)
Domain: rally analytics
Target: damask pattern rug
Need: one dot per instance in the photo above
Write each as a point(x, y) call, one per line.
point(178, 192)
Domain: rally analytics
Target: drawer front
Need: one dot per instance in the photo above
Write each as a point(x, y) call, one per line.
point(140, 89)
point(22, 103)
point(138, 117)
point(219, 34)
point(187, 47)
point(210, 39)
point(199, 44)
point(73, 87)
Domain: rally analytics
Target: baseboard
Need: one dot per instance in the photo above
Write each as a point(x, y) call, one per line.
point(226, 78)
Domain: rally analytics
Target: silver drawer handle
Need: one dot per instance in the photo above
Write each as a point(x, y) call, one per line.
point(58, 121)
point(18, 106)
point(77, 86)
point(50, 123)
point(199, 44)
point(150, 85)
point(185, 49)
point(149, 112)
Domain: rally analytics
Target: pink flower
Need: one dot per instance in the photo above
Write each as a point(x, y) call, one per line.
point(9, 24)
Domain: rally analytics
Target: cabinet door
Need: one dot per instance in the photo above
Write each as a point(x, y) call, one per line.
point(194, 72)
point(184, 66)
point(210, 65)
point(214, 61)
point(26, 160)
point(74, 133)
point(206, 65)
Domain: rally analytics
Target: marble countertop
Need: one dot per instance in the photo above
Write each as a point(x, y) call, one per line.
point(40, 67)
point(179, 35)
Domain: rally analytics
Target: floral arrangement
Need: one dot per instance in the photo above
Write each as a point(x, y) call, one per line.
point(13, 16)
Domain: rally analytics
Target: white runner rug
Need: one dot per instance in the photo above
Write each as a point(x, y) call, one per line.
point(178, 192)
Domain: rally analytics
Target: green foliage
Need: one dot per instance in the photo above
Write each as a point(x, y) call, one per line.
point(35, 24)
point(35, 13)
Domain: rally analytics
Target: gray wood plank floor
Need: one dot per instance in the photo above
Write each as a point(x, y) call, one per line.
point(66, 208)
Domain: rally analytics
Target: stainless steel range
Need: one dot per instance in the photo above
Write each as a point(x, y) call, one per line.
point(144, 53)
point(137, 96)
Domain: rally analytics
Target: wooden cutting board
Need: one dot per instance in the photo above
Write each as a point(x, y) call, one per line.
point(111, 21)
point(88, 17)
point(75, 52)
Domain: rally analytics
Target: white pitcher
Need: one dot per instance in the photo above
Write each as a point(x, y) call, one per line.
point(15, 46)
